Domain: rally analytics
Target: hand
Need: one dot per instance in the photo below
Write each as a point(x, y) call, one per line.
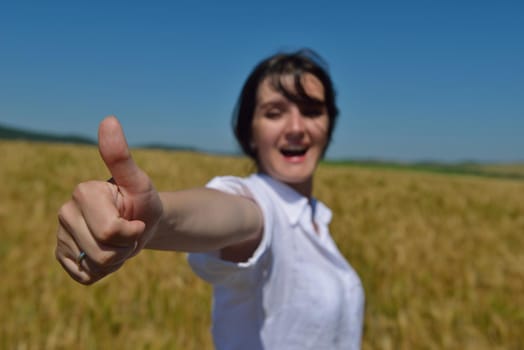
point(108, 221)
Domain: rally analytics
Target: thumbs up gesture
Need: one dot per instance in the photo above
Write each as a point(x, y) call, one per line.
point(107, 222)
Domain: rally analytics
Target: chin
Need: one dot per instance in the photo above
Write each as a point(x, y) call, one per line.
point(294, 171)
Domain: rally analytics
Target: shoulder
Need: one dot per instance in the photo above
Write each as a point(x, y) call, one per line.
point(252, 186)
point(229, 184)
point(236, 265)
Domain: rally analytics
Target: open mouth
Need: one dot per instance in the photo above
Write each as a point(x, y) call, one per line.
point(293, 151)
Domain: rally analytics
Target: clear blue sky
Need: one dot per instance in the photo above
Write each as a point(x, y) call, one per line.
point(416, 80)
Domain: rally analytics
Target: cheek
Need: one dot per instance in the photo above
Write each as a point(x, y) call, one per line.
point(262, 135)
point(319, 130)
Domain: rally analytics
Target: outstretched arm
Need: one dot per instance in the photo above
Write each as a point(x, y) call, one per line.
point(204, 219)
point(106, 223)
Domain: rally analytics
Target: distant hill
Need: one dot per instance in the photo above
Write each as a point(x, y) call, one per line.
point(11, 133)
point(503, 170)
point(506, 171)
point(165, 147)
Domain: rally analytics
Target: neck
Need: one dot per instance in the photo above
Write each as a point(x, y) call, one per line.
point(304, 188)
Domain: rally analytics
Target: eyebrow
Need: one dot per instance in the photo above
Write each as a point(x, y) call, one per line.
point(274, 102)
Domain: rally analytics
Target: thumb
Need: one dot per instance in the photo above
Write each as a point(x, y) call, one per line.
point(114, 150)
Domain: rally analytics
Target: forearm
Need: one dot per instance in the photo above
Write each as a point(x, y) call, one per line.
point(204, 219)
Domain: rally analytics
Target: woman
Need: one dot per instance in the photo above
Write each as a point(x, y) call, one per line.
point(262, 241)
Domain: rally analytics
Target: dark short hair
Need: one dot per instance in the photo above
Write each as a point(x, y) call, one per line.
point(275, 67)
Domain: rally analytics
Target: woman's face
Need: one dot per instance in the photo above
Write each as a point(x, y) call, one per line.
point(289, 139)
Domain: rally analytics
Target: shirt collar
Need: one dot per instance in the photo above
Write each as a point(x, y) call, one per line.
point(295, 204)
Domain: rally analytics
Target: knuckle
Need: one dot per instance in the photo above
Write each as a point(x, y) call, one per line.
point(112, 232)
point(103, 229)
point(83, 189)
point(106, 234)
point(65, 211)
point(78, 192)
point(60, 235)
point(57, 255)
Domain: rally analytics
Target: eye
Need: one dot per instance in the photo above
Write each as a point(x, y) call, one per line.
point(273, 113)
point(312, 112)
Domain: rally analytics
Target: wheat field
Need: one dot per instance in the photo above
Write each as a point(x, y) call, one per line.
point(441, 257)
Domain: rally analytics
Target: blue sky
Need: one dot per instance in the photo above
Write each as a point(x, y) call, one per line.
point(416, 80)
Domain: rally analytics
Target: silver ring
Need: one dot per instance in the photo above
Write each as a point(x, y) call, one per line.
point(80, 257)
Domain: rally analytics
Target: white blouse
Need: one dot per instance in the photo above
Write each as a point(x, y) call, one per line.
point(297, 291)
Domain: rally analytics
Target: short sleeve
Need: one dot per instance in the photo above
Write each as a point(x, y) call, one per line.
point(209, 266)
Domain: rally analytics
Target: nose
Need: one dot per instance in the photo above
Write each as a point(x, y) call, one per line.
point(295, 126)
